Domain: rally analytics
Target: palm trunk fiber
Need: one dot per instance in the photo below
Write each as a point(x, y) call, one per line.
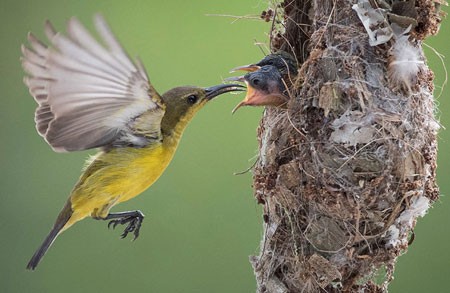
point(349, 165)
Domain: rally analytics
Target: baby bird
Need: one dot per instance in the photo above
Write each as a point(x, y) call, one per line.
point(268, 80)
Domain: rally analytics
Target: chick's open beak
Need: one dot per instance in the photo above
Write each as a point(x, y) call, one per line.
point(257, 97)
point(214, 91)
point(265, 87)
point(249, 68)
point(251, 96)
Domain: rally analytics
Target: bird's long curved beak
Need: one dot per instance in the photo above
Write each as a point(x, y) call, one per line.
point(214, 91)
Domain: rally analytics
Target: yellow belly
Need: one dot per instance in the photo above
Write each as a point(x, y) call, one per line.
point(117, 176)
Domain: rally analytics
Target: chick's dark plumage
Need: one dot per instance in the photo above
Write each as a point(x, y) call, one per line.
point(268, 80)
point(283, 61)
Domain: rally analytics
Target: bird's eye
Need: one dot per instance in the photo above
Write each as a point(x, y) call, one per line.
point(192, 99)
point(255, 81)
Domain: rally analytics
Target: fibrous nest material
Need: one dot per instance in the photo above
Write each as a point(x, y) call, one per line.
point(348, 167)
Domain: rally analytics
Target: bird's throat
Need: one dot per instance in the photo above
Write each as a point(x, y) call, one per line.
point(173, 126)
point(173, 130)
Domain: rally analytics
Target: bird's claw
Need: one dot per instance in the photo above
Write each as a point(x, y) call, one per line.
point(134, 225)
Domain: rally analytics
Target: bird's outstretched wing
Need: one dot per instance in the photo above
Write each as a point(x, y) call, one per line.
point(89, 94)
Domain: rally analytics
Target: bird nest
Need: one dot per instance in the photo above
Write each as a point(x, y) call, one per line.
point(346, 169)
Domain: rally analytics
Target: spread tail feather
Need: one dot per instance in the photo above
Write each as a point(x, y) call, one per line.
point(61, 221)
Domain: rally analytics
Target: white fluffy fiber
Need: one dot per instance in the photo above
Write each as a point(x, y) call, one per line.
point(404, 63)
point(418, 208)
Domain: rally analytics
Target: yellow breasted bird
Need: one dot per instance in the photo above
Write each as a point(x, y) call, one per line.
point(267, 80)
point(94, 96)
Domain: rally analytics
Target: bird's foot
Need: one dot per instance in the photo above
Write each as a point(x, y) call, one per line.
point(133, 219)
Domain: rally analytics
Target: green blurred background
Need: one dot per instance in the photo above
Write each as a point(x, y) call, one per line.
point(202, 221)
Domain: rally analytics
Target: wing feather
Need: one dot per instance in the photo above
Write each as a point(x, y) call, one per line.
point(38, 47)
point(70, 50)
point(43, 117)
point(113, 44)
point(89, 95)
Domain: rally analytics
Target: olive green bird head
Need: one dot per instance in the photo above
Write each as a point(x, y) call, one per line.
point(182, 103)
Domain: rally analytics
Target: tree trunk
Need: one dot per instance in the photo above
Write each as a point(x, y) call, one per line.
point(346, 169)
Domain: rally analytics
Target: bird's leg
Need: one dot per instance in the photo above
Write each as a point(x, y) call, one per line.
point(133, 218)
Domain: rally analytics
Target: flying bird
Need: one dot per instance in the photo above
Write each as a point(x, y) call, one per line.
point(92, 95)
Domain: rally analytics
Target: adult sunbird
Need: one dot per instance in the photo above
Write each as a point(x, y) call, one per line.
point(94, 96)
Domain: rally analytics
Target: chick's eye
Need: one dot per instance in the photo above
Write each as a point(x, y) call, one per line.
point(192, 99)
